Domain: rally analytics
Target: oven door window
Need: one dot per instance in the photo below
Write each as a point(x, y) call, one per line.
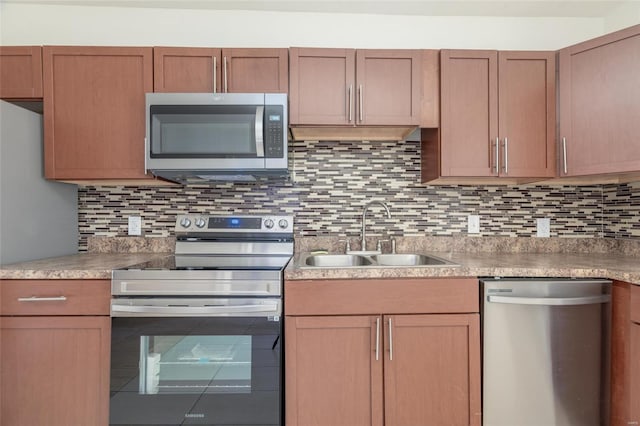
point(203, 131)
point(201, 371)
point(195, 364)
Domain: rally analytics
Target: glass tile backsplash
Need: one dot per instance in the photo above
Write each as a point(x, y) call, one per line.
point(331, 182)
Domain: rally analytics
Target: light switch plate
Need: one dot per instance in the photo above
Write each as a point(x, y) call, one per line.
point(473, 224)
point(135, 225)
point(543, 227)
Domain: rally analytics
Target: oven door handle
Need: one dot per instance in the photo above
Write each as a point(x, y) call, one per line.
point(121, 310)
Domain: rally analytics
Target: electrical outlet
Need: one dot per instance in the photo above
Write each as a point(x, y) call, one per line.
point(135, 225)
point(543, 227)
point(473, 224)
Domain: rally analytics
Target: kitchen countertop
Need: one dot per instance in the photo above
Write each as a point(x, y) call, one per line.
point(600, 265)
point(78, 266)
point(476, 257)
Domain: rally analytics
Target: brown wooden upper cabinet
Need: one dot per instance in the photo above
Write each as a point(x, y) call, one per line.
point(600, 105)
point(184, 69)
point(497, 116)
point(347, 87)
point(20, 72)
point(94, 99)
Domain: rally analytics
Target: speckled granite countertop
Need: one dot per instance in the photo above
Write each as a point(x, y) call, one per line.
point(601, 265)
point(476, 257)
point(78, 266)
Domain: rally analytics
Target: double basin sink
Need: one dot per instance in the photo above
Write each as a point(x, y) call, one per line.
point(375, 260)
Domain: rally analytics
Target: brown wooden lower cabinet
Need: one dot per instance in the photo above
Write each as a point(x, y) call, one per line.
point(400, 369)
point(635, 374)
point(54, 368)
point(335, 368)
point(634, 338)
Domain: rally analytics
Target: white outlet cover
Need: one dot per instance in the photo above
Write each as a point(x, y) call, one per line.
point(473, 224)
point(543, 227)
point(135, 225)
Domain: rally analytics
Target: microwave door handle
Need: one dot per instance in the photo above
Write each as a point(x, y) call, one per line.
point(260, 131)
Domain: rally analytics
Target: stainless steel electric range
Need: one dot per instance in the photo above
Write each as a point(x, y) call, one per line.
point(196, 336)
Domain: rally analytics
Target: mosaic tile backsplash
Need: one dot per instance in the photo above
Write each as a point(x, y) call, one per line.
point(332, 181)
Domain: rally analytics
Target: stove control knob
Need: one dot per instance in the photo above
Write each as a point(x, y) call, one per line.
point(283, 223)
point(185, 222)
point(268, 223)
point(200, 222)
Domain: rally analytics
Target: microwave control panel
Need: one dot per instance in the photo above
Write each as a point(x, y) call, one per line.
point(274, 136)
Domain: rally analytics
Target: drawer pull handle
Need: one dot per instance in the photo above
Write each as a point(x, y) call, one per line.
point(42, 299)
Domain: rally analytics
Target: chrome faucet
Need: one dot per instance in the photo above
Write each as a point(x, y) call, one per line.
point(364, 217)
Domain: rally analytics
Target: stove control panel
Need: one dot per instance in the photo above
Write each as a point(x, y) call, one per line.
point(233, 224)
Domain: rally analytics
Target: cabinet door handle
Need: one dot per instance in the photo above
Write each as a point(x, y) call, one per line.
point(497, 156)
point(226, 87)
point(350, 103)
point(506, 156)
point(564, 155)
point(215, 73)
point(360, 90)
point(378, 339)
point(42, 299)
point(390, 341)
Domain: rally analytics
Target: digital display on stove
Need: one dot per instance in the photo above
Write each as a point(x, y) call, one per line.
point(235, 223)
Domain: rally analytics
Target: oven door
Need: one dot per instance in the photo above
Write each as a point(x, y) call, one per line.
point(196, 362)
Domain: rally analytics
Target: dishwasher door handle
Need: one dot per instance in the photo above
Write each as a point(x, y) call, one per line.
point(550, 301)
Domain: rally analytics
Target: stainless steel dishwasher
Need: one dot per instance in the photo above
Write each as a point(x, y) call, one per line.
point(546, 352)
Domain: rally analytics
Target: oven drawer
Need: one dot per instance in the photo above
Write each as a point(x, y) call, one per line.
point(55, 297)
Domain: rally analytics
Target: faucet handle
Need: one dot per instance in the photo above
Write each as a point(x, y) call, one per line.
point(379, 245)
point(393, 245)
point(347, 242)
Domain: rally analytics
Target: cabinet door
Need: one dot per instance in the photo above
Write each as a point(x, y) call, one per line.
point(620, 352)
point(432, 370)
point(600, 104)
point(20, 72)
point(94, 117)
point(332, 375)
point(634, 333)
point(635, 374)
point(469, 121)
point(388, 87)
point(55, 371)
point(186, 70)
point(322, 86)
point(255, 70)
point(527, 113)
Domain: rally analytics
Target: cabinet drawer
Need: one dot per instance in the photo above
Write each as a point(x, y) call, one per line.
point(635, 303)
point(55, 297)
point(374, 296)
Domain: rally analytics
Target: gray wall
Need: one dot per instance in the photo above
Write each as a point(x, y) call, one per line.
point(38, 218)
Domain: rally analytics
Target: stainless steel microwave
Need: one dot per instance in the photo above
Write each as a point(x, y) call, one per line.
point(216, 136)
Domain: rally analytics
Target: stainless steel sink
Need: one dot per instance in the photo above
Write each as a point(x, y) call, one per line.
point(409, 259)
point(379, 260)
point(337, 260)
